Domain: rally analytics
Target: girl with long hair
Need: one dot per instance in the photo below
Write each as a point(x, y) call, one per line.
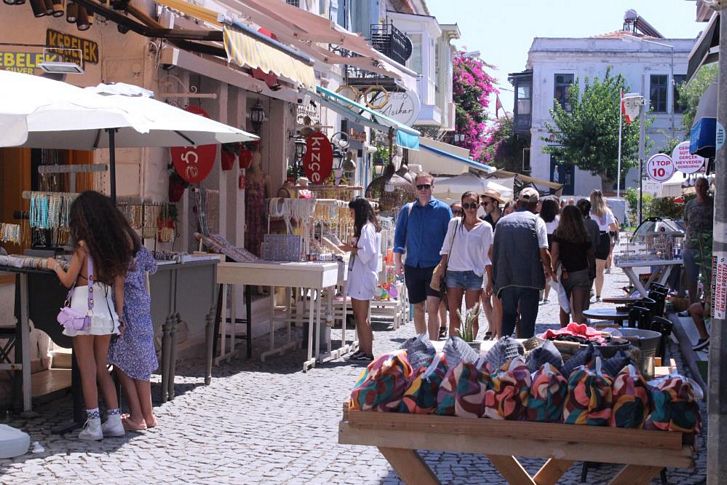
point(133, 354)
point(606, 223)
point(466, 255)
point(365, 249)
point(572, 249)
point(101, 257)
point(549, 210)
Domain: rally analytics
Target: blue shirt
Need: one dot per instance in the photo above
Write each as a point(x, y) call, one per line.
point(420, 233)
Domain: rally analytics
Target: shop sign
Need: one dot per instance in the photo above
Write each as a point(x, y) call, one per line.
point(71, 47)
point(194, 163)
point(309, 110)
point(684, 161)
point(318, 159)
point(402, 107)
point(660, 167)
point(719, 285)
point(24, 62)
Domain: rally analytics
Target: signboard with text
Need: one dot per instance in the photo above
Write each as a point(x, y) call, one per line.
point(194, 163)
point(684, 161)
point(70, 47)
point(318, 159)
point(403, 107)
point(660, 167)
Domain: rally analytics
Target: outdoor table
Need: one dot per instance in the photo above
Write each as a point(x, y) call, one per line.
point(611, 314)
point(311, 276)
point(398, 436)
point(660, 271)
point(622, 300)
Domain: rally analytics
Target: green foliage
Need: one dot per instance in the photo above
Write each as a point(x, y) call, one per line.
point(666, 208)
point(503, 148)
point(587, 135)
point(466, 329)
point(689, 94)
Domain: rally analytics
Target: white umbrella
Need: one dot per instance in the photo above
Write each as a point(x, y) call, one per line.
point(58, 115)
point(451, 189)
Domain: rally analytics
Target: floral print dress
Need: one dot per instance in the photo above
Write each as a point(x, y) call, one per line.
point(133, 352)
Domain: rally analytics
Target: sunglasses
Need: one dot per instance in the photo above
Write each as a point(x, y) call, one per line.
point(457, 212)
point(469, 205)
point(424, 186)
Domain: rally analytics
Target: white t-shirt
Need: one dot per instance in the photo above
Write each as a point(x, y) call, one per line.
point(542, 233)
point(604, 221)
point(363, 275)
point(470, 250)
point(551, 226)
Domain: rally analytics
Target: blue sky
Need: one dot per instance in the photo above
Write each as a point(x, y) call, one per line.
point(502, 30)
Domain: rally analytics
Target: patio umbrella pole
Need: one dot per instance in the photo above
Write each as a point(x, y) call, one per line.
point(112, 161)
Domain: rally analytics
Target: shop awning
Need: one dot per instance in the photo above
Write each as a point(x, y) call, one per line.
point(245, 51)
point(528, 179)
point(703, 134)
point(441, 158)
point(404, 136)
point(706, 49)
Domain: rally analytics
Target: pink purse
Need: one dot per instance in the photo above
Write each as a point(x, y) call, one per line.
point(72, 319)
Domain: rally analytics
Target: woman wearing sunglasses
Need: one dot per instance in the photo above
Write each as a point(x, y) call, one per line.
point(465, 254)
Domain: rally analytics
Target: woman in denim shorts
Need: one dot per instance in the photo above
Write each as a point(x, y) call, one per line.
point(465, 254)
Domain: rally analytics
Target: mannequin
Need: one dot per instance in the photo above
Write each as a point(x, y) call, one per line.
point(255, 194)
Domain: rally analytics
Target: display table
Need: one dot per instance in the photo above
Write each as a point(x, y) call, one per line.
point(183, 292)
point(312, 277)
point(398, 437)
point(660, 271)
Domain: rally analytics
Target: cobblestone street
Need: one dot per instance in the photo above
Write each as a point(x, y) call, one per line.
point(259, 423)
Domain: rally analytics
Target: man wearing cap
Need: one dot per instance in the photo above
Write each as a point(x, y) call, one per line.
point(520, 263)
point(490, 202)
point(420, 229)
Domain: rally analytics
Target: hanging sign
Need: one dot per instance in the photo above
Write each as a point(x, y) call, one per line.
point(70, 47)
point(684, 161)
point(403, 107)
point(318, 159)
point(660, 167)
point(194, 163)
point(719, 285)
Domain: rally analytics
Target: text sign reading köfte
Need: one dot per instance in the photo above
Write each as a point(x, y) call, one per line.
point(318, 160)
point(71, 47)
point(660, 167)
point(684, 161)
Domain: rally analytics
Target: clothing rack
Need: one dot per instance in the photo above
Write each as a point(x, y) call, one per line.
point(72, 169)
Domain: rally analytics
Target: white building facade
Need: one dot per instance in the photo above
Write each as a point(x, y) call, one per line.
point(650, 66)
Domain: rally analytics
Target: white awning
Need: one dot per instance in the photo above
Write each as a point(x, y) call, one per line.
point(439, 158)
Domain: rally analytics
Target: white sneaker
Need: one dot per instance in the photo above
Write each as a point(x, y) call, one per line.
point(113, 426)
point(91, 430)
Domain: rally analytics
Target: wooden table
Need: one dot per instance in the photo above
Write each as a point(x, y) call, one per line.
point(609, 313)
point(398, 437)
point(660, 271)
point(311, 276)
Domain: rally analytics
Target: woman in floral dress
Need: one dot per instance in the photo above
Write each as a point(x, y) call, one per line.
point(133, 353)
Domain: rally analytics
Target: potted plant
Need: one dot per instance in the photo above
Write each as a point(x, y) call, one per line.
point(467, 326)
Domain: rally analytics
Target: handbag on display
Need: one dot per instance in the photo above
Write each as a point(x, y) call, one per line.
point(72, 319)
point(440, 270)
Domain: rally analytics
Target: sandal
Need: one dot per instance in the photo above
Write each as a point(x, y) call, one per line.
point(130, 425)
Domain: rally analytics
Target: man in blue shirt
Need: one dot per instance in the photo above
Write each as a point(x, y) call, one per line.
point(420, 230)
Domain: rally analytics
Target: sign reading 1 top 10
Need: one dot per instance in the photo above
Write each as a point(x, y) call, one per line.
point(660, 167)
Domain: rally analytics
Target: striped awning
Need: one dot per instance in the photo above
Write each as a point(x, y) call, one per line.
point(245, 51)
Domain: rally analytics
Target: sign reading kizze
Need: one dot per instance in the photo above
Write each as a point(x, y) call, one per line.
point(318, 160)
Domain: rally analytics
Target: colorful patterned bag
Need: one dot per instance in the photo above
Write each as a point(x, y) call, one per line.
point(547, 352)
point(630, 399)
point(381, 386)
point(462, 392)
point(547, 395)
point(589, 397)
point(507, 397)
point(419, 351)
point(421, 395)
point(674, 404)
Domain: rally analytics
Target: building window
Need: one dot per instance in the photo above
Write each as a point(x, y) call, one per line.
point(562, 83)
point(658, 92)
point(295, 3)
point(679, 104)
point(415, 61)
point(523, 99)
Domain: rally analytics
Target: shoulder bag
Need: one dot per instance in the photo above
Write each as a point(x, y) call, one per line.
point(441, 270)
point(72, 319)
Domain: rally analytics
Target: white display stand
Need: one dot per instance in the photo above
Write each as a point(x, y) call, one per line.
point(660, 271)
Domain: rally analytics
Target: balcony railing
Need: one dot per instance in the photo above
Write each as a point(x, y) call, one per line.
point(391, 41)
